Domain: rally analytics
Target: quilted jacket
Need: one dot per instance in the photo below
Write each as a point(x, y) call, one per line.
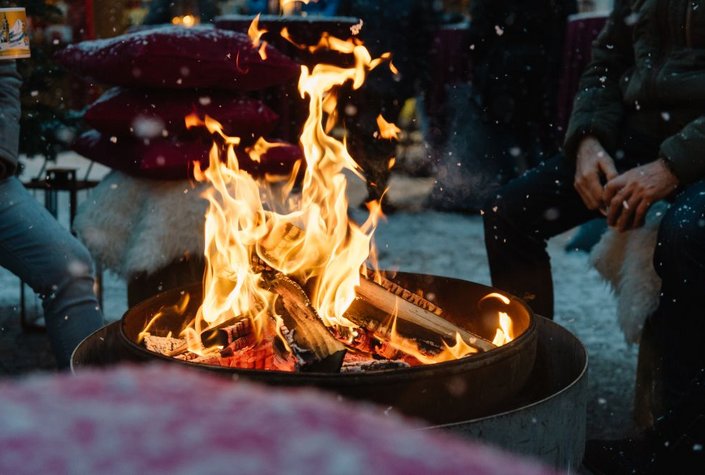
point(648, 74)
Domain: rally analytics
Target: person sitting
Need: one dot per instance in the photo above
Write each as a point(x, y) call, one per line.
point(636, 136)
point(35, 247)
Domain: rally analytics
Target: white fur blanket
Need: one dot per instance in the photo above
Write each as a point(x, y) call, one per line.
point(625, 261)
point(134, 225)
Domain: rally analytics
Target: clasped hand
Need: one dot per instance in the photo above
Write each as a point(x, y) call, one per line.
point(623, 198)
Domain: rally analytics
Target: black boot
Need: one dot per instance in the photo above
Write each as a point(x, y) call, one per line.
point(675, 445)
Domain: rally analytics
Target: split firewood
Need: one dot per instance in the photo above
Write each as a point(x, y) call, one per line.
point(226, 332)
point(324, 352)
point(407, 295)
point(390, 298)
point(165, 345)
point(389, 303)
point(238, 344)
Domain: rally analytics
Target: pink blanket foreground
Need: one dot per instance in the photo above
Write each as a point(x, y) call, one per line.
point(165, 419)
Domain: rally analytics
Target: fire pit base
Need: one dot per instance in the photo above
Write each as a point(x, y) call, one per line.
point(547, 421)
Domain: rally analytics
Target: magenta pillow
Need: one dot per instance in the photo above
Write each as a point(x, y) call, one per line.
point(170, 159)
point(151, 113)
point(179, 58)
point(163, 419)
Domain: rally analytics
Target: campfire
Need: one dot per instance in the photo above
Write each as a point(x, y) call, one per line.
point(291, 282)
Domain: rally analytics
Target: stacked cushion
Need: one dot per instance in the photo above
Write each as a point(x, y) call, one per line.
point(141, 130)
point(171, 159)
point(152, 113)
point(179, 58)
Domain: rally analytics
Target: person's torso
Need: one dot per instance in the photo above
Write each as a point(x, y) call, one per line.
point(669, 57)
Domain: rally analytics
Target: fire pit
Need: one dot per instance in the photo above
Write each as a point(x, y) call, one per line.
point(440, 393)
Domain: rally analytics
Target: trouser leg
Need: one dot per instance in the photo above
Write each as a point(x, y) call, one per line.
point(679, 326)
point(35, 247)
point(520, 219)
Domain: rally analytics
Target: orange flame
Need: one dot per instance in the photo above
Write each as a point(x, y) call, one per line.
point(241, 228)
point(387, 130)
point(256, 33)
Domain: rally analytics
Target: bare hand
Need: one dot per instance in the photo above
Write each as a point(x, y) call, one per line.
point(632, 193)
point(592, 167)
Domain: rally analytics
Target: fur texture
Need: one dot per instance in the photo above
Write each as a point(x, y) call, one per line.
point(134, 225)
point(625, 260)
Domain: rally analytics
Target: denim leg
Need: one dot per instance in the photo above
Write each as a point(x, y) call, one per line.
point(679, 323)
point(518, 221)
point(35, 247)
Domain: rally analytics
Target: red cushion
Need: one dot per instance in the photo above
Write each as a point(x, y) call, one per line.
point(150, 113)
point(170, 159)
point(180, 58)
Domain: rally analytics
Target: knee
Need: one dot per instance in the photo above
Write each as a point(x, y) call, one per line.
point(680, 239)
point(69, 266)
point(498, 211)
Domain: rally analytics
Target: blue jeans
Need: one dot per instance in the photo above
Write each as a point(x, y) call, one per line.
point(44, 254)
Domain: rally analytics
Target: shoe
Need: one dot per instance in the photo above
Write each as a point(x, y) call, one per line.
point(624, 456)
point(665, 449)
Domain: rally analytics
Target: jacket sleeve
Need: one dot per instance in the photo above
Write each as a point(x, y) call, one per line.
point(598, 109)
point(9, 115)
point(684, 151)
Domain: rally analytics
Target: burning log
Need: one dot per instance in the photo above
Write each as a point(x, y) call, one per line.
point(322, 351)
point(409, 296)
point(390, 302)
point(165, 345)
point(373, 365)
point(226, 332)
point(389, 297)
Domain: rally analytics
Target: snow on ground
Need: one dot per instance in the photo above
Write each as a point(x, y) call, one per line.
point(452, 245)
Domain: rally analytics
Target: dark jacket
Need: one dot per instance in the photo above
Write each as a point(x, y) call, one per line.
point(516, 54)
point(648, 75)
point(404, 28)
point(9, 116)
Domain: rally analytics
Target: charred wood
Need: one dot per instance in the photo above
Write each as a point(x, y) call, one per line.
point(310, 339)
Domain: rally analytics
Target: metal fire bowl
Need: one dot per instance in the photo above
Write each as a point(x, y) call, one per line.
point(441, 393)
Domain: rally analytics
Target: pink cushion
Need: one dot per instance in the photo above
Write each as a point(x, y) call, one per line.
point(176, 57)
point(165, 419)
point(151, 113)
point(170, 159)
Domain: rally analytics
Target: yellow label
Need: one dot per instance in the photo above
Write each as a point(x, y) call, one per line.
point(14, 41)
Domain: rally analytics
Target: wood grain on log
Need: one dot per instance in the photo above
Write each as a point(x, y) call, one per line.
point(389, 303)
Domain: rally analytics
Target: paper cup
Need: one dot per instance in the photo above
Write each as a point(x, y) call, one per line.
point(14, 40)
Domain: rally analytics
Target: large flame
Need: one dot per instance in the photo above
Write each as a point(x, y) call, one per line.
point(241, 228)
point(255, 225)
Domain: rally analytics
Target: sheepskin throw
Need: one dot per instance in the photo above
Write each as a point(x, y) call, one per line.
point(133, 225)
point(625, 261)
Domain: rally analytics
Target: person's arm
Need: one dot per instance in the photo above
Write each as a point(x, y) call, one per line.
point(684, 152)
point(10, 83)
point(598, 109)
